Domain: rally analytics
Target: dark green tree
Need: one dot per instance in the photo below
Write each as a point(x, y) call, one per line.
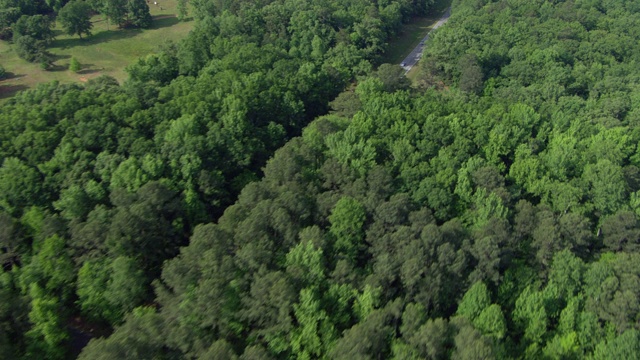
point(471, 76)
point(75, 18)
point(138, 13)
point(115, 11)
point(140, 337)
point(38, 27)
point(31, 49)
point(393, 78)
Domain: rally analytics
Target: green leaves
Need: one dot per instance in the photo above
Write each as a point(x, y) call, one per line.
point(20, 185)
point(109, 291)
point(475, 300)
point(624, 346)
point(75, 18)
point(347, 227)
point(486, 317)
point(315, 332)
point(48, 331)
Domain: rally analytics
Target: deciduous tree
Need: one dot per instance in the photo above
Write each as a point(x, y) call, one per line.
point(75, 18)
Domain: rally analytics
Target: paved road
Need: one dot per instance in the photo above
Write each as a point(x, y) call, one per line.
point(415, 55)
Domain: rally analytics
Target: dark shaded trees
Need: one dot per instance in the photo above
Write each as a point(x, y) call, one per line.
point(75, 18)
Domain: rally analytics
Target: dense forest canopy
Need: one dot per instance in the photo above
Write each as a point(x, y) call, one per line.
point(101, 183)
point(211, 208)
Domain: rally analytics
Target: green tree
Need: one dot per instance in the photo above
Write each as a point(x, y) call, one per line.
point(392, 76)
point(471, 76)
point(126, 287)
point(621, 232)
point(433, 339)
point(219, 350)
point(470, 344)
point(37, 26)
point(366, 339)
point(475, 300)
point(74, 65)
point(140, 337)
point(491, 322)
point(56, 4)
point(607, 186)
point(347, 226)
point(30, 49)
point(138, 13)
point(315, 331)
point(115, 11)
point(8, 16)
point(48, 330)
point(92, 281)
point(623, 346)
point(183, 10)
point(305, 264)
point(530, 315)
point(106, 292)
point(75, 18)
point(51, 268)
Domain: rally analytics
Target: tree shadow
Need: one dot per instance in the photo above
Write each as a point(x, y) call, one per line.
point(7, 91)
point(162, 21)
point(56, 57)
point(57, 68)
point(88, 70)
point(11, 76)
point(98, 38)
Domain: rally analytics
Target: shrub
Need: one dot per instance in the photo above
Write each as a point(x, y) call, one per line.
point(74, 65)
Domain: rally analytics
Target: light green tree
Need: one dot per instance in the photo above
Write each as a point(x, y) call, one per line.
point(347, 227)
point(74, 65)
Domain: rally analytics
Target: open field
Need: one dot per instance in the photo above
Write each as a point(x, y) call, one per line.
point(107, 52)
point(412, 33)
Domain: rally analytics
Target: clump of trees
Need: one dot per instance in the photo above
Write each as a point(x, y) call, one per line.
point(31, 36)
point(125, 13)
point(28, 23)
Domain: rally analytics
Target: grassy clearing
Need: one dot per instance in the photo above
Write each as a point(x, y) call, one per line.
point(413, 74)
point(412, 32)
point(107, 52)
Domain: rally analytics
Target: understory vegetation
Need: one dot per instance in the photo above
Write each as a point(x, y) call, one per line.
point(237, 198)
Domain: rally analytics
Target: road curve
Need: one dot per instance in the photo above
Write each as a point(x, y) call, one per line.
point(415, 55)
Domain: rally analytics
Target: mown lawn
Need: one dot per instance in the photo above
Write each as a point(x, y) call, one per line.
point(412, 32)
point(107, 52)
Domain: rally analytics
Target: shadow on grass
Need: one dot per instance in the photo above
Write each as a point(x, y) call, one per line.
point(101, 37)
point(159, 22)
point(7, 91)
point(56, 57)
point(57, 68)
point(88, 71)
point(162, 21)
point(11, 76)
